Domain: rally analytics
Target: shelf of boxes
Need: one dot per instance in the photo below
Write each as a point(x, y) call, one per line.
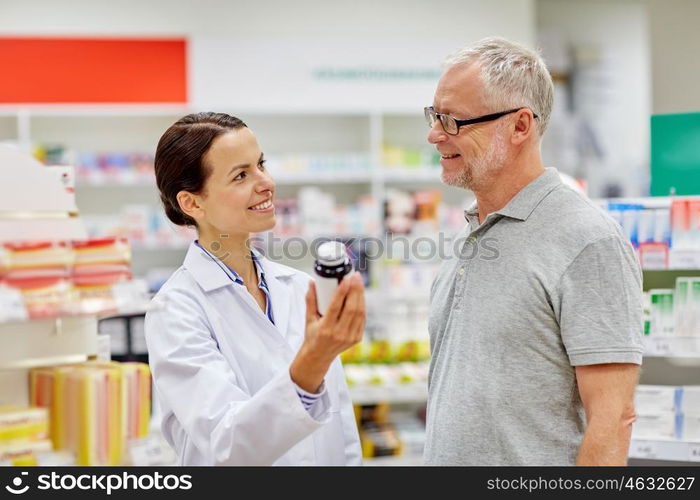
point(663, 230)
point(672, 313)
point(376, 374)
point(53, 283)
point(667, 424)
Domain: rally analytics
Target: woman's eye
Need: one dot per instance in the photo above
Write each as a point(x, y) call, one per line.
point(262, 164)
point(240, 176)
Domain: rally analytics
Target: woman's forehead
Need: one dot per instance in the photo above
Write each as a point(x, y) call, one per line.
point(232, 148)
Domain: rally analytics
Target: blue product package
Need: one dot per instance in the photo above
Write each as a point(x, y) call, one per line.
point(646, 228)
point(678, 401)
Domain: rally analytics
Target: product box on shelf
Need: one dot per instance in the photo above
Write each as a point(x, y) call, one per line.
point(378, 436)
point(659, 425)
point(690, 426)
point(657, 398)
point(26, 423)
point(662, 318)
point(95, 408)
point(43, 279)
point(690, 399)
point(674, 313)
point(653, 255)
point(667, 412)
point(23, 434)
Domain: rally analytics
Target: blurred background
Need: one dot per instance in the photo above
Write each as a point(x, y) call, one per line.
point(335, 96)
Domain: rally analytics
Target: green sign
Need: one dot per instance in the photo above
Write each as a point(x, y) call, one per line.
point(675, 154)
point(377, 74)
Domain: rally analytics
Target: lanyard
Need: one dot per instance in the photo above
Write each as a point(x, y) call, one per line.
point(233, 276)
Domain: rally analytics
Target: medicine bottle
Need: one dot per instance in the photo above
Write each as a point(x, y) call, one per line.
point(331, 266)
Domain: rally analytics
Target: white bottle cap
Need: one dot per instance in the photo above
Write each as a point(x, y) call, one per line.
point(332, 253)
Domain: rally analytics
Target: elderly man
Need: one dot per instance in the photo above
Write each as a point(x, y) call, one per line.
point(536, 351)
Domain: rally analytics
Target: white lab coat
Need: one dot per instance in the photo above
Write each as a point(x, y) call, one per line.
point(221, 372)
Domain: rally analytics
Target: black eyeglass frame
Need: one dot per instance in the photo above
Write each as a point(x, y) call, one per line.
point(429, 110)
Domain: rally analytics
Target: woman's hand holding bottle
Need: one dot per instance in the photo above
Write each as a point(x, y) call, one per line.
point(326, 337)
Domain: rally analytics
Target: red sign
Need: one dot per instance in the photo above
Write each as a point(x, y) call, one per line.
point(86, 70)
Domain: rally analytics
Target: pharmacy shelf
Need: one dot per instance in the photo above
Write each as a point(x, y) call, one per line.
point(666, 278)
point(116, 182)
point(650, 201)
point(159, 247)
point(407, 393)
point(285, 179)
point(665, 449)
point(388, 174)
point(672, 347)
point(46, 342)
point(411, 174)
point(322, 177)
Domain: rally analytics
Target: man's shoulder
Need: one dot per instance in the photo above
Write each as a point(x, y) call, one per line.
point(576, 218)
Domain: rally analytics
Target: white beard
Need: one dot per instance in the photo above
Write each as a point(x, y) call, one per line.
point(478, 170)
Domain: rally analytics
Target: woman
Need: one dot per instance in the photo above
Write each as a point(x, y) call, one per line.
point(246, 371)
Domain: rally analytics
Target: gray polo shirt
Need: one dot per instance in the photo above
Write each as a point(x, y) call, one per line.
point(545, 284)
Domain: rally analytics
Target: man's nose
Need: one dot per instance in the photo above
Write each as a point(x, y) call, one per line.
point(436, 133)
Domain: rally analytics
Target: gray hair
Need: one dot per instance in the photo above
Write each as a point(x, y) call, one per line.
point(513, 76)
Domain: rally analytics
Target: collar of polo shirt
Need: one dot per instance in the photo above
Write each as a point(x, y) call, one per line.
point(526, 200)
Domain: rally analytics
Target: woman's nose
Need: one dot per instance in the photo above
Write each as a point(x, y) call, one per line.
point(266, 183)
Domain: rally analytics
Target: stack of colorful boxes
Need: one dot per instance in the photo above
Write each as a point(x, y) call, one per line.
point(95, 408)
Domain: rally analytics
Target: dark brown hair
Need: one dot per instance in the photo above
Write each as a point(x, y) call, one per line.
point(179, 160)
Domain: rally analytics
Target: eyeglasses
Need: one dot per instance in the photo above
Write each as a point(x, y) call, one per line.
point(451, 125)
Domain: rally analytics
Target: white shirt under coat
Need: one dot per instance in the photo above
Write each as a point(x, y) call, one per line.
point(221, 372)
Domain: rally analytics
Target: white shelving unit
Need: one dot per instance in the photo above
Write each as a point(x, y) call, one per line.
point(668, 360)
point(42, 342)
point(392, 394)
point(36, 206)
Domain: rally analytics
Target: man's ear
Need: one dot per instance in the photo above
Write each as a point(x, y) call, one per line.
point(190, 204)
point(525, 126)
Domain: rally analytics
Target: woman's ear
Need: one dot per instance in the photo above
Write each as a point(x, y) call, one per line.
point(190, 204)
